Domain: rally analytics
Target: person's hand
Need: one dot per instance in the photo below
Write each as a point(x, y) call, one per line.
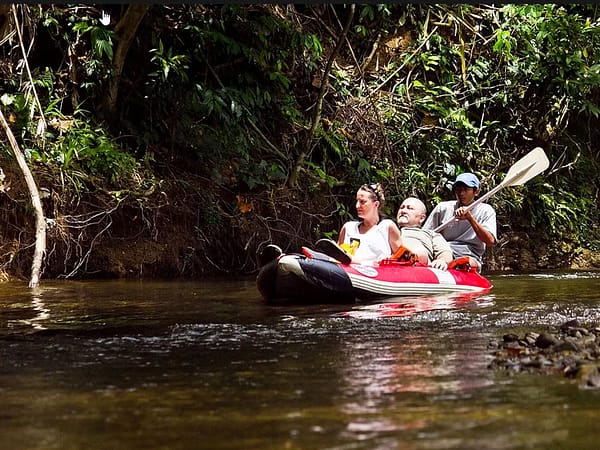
point(462, 213)
point(439, 264)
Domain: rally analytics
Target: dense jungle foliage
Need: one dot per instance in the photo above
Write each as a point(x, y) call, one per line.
point(177, 140)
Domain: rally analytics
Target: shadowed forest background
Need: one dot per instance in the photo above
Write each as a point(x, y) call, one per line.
point(177, 140)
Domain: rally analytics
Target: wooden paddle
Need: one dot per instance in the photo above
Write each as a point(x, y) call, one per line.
point(530, 165)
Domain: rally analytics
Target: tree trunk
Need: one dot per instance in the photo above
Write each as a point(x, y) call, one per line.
point(5, 23)
point(40, 222)
point(125, 29)
point(316, 117)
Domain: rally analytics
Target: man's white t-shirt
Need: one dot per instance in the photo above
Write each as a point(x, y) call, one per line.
point(459, 233)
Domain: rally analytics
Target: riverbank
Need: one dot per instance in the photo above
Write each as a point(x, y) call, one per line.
point(174, 256)
point(175, 232)
point(572, 350)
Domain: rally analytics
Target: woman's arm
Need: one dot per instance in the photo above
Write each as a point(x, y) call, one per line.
point(394, 236)
point(342, 235)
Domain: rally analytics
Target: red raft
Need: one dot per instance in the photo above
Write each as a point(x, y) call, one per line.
point(301, 279)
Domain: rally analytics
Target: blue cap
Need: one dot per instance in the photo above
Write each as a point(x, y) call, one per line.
point(468, 179)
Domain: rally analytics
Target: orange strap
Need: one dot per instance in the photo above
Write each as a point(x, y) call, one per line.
point(405, 255)
point(462, 261)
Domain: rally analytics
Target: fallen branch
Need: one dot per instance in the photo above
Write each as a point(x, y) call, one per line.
point(40, 223)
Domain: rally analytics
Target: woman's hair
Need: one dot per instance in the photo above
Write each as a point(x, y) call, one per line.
point(376, 192)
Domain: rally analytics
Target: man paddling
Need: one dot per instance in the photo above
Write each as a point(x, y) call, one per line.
point(472, 230)
point(429, 246)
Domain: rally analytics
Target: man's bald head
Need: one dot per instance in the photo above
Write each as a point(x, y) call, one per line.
point(412, 213)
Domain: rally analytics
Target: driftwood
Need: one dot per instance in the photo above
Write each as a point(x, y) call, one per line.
point(40, 222)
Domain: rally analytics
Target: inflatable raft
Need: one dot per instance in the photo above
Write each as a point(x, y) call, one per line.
point(298, 278)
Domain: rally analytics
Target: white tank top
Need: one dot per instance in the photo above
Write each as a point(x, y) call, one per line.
point(374, 244)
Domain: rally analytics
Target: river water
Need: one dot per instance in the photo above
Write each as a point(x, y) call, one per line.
point(208, 365)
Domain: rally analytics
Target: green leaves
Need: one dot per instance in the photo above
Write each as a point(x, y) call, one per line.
point(417, 94)
point(101, 38)
point(168, 62)
point(81, 152)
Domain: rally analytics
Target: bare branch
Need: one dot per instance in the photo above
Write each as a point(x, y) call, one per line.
point(40, 223)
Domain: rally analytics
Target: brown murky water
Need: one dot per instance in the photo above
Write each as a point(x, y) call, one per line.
point(183, 365)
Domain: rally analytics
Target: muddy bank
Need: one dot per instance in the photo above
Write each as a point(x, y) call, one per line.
point(526, 251)
point(191, 228)
point(181, 252)
point(147, 257)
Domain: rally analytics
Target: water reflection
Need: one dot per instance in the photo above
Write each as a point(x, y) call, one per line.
point(411, 361)
point(409, 365)
point(406, 373)
point(409, 306)
point(41, 313)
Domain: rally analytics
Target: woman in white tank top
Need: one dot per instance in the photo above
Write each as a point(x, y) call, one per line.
point(373, 237)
